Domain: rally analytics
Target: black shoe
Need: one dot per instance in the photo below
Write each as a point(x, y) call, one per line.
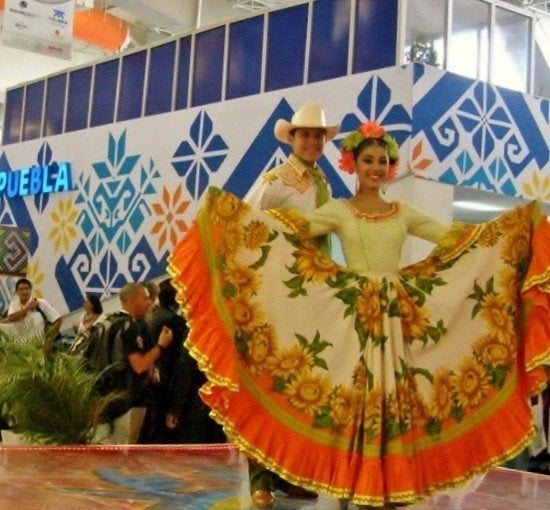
point(294, 491)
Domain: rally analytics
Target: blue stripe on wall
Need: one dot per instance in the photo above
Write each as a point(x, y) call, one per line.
point(33, 111)
point(208, 66)
point(328, 57)
point(79, 99)
point(160, 79)
point(244, 64)
point(55, 104)
point(131, 86)
point(104, 94)
point(183, 66)
point(286, 47)
point(375, 35)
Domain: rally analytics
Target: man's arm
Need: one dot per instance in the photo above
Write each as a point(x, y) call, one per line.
point(264, 193)
point(21, 314)
point(142, 362)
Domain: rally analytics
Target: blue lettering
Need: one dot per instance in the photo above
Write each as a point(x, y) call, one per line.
point(13, 184)
point(46, 183)
point(35, 180)
point(63, 182)
point(24, 182)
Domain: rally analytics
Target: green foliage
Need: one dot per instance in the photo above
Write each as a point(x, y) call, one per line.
point(315, 347)
point(49, 398)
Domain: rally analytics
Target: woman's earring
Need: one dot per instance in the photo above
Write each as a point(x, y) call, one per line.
point(384, 188)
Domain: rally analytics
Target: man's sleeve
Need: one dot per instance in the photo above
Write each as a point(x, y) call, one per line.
point(49, 311)
point(124, 340)
point(264, 194)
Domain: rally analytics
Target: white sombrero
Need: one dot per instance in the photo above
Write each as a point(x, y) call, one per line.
point(310, 115)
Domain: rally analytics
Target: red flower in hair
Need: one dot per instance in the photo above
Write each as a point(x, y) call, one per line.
point(392, 172)
point(346, 162)
point(371, 129)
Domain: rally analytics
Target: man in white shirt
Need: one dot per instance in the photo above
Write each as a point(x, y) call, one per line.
point(28, 317)
point(300, 184)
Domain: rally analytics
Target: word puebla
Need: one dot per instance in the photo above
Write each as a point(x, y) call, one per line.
point(36, 179)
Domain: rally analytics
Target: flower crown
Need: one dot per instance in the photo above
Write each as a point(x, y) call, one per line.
point(369, 129)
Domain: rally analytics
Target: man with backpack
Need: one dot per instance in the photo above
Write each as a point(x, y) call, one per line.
point(121, 349)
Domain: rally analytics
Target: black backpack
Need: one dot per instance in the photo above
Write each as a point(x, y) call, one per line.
point(98, 351)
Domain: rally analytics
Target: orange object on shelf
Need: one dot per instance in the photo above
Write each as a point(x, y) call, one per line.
point(98, 27)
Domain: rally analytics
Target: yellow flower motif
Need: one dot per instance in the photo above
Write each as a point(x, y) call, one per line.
point(402, 400)
point(313, 265)
point(343, 407)
point(452, 235)
point(510, 284)
point(270, 177)
point(442, 395)
point(231, 240)
point(36, 276)
point(489, 235)
point(255, 234)
point(244, 279)
point(419, 411)
point(293, 220)
point(63, 217)
point(493, 352)
point(260, 346)
point(290, 362)
point(373, 407)
point(309, 392)
point(517, 247)
point(517, 219)
point(246, 315)
point(226, 208)
point(427, 268)
point(471, 383)
point(539, 187)
point(495, 311)
point(359, 377)
point(414, 319)
point(369, 308)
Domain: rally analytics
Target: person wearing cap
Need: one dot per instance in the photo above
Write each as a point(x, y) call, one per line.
point(300, 184)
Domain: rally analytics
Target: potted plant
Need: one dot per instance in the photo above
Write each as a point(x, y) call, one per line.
point(49, 397)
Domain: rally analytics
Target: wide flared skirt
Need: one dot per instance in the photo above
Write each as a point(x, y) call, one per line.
point(370, 386)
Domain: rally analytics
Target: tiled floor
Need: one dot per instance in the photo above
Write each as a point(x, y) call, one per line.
point(198, 478)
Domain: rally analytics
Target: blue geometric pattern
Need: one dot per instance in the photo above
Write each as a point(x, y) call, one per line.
point(199, 156)
point(482, 136)
point(114, 208)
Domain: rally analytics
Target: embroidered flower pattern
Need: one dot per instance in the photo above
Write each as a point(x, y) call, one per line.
point(312, 265)
point(308, 392)
point(417, 398)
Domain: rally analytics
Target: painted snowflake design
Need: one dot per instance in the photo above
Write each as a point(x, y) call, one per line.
point(199, 156)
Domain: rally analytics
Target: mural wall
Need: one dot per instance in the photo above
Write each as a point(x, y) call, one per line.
point(137, 185)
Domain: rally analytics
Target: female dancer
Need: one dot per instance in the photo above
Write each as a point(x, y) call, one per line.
point(368, 382)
